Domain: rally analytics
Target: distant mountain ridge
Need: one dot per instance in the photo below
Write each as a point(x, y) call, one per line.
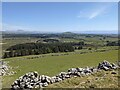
point(66, 33)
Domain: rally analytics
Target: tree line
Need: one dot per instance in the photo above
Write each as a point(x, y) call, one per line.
point(113, 43)
point(37, 48)
point(40, 48)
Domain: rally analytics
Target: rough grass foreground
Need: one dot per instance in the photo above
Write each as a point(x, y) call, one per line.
point(101, 79)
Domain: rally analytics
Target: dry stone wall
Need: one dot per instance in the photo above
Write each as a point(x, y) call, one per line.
point(34, 80)
point(5, 69)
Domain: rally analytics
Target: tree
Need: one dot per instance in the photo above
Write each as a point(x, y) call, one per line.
point(81, 43)
point(90, 48)
point(80, 47)
point(38, 48)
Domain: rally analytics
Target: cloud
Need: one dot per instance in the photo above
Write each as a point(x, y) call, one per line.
point(93, 15)
point(94, 12)
point(98, 12)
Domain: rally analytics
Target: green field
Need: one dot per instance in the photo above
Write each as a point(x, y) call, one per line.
point(53, 65)
point(7, 42)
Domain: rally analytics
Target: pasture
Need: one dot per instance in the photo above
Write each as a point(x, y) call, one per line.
point(53, 65)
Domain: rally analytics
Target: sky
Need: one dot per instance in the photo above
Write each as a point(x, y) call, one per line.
point(60, 16)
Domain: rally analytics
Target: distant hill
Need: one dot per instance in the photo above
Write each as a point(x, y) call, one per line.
point(19, 31)
point(69, 33)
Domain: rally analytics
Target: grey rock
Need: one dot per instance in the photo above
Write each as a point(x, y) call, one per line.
point(37, 86)
point(82, 74)
point(42, 78)
point(36, 74)
point(40, 85)
point(53, 79)
point(67, 76)
point(87, 70)
point(105, 65)
point(114, 66)
point(72, 70)
point(105, 68)
point(78, 74)
point(36, 79)
point(113, 72)
point(48, 79)
point(15, 87)
point(15, 82)
point(79, 69)
point(62, 74)
point(95, 69)
point(57, 79)
point(45, 84)
point(30, 87)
